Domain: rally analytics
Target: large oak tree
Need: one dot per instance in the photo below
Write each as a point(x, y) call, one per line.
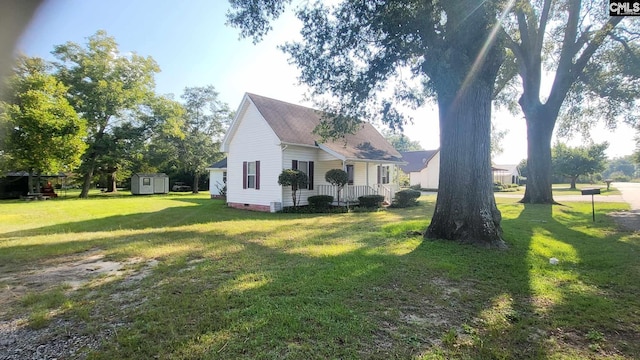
point(104, 85)
point(592, 61)
point(40, 131)
point(357, 51)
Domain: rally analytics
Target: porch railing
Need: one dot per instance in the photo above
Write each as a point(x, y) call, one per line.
point(351, 193)
point(388, 191)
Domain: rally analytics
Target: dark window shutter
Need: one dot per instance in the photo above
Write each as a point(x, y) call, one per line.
point(310, 175)
point(294, 164)
point(257, 175)
point(244, 174)
point(379, 174)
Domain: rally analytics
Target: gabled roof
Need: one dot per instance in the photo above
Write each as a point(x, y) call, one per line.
point(294, 124)
point(510, 168)
point(222, 164)
point(150, 175)
point(417, 160)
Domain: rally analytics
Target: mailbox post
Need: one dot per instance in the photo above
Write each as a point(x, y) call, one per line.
point(592, 192)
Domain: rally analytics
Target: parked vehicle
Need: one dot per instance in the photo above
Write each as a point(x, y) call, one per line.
point(180, 186)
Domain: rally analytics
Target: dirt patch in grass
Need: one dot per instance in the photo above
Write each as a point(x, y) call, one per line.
point(70, 271)
point(627, 220)
point(60, 336)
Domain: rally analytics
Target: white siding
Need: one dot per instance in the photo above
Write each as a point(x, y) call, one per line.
point(216, 181)
point(365, 173)
point(254, 140)
point(300, 153)
point(429, 176)
point(321, 170)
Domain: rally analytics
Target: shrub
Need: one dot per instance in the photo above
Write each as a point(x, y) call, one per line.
point(406, 198)
point(371, 201)
point(320, 202)
point(338, 178)
point(294, 178)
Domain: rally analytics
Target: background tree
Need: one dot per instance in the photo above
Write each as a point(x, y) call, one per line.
point(356, 50)
point(621, 167)
point(573, 162)
point(41, 131)
point(103, 86)
point(160, 153)
point(575, 42)
point(294, 178)
point(338, 178)
point(636, 154)
point(401, 142)
point(120, 148)
point(522, 168)
point(497, 136)
point(206, 119)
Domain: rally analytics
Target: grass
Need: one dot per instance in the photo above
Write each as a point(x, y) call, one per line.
point(232, 284)
point(565, 189)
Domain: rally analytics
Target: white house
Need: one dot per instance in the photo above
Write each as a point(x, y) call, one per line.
point(267, 136)
point(506, 174)
point(217, 178)
point(423, 168)
point(147, 184)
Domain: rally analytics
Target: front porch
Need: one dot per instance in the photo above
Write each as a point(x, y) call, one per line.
point(351, 193)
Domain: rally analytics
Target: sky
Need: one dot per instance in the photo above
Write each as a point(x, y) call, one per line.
point(193, 47)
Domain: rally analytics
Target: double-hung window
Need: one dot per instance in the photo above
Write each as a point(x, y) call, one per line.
point(251, 175)
point(383, 174)
point(307, 168)
point(350, 174)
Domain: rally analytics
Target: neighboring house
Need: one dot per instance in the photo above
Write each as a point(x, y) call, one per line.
point(217, 178)
point(423, 168)
point(147, 184)
point(268, 136)
point(506, 174)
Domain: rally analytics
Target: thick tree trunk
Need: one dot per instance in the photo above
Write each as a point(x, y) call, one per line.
point(539, 132)
point(196, 181)
point(86, 184)
point(30, 183)
point(573, 182)
point(111, 183)
point(465, 208)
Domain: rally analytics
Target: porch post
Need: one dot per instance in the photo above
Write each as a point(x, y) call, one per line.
point(366, 164)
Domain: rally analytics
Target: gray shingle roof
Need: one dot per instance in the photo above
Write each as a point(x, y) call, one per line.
point(294, 124)
point(222, 164)
point(417, 160)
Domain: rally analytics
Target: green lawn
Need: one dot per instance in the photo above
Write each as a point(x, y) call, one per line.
point(232, 284)
point(565, 189)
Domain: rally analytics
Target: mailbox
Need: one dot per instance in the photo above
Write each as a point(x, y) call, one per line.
point(590, 191)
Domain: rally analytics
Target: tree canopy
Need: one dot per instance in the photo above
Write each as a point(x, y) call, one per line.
point(104, 85)
point(296, 179)
point(41, 131)
point(573, 162)
point(401, 142)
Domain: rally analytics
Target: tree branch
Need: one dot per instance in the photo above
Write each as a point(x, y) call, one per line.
point(542, 26)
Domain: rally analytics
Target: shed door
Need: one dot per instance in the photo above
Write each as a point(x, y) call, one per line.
point(158, 185)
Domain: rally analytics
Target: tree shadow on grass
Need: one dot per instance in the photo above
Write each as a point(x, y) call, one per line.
point(589, 292)
point(204, 211)
point(357, 290)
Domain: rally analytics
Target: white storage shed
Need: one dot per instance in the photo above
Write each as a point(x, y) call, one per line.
point(147, 184)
